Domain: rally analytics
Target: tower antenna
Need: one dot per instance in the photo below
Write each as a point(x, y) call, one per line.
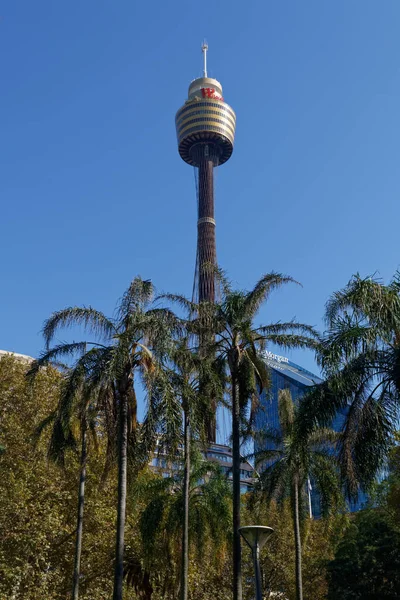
point(204, 49)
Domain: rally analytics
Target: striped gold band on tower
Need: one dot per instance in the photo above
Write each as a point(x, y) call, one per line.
point(206, 122)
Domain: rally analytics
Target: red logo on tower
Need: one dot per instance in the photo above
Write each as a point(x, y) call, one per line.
point(211, 93)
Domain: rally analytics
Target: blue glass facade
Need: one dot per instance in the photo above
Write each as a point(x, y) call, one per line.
point(218, 453)
point(288, 375)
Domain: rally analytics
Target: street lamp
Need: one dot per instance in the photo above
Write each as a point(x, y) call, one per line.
point(255, 537)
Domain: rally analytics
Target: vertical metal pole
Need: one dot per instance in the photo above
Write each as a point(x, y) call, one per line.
point(257, 571)
point(204, 49)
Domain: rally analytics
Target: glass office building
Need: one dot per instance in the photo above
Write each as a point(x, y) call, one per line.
point(288, 375)
point(218, 453)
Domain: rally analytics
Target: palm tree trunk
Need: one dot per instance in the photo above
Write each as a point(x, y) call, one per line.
point(79, 525)
point(122, 471)
point(185, 529)
point(237, 555)
point(297, 539)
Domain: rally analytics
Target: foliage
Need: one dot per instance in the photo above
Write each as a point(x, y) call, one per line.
point(127, 345)
point(293, 455)
point(367, 562)
point(390, 488)
point(292, 452)
point(360, 355)
point(160, 523)
point(38, 500)
point(227, 330)
point(319, 540)
point(38, 518)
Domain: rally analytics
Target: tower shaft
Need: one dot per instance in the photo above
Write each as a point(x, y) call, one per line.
point(206, 247)
point(206, 256)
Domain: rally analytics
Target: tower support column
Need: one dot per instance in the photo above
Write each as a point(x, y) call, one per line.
point(206, 247)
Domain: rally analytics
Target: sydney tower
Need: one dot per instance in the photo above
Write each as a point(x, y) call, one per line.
point(205, 128)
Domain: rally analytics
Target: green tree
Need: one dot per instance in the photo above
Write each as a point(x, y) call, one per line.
point(126, 346)
point(38, 498)
point(78, 410)
point(190, 382)
point(392, 496)
point(235, 341)
point(320, 538)
point(162, 498)
point(360, 356)
point(31, 526)
point(367, 563)
point(386, 493)
point(290, 459)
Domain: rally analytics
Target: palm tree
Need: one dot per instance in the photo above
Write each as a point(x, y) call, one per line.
point(181, 401)
point(209, 515)
point(290, 459)
point(235, 342)
point(360, 356)
point(125, 346)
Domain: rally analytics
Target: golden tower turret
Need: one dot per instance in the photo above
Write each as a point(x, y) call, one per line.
point(205, 120)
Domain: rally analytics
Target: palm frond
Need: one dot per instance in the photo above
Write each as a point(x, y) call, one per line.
point(395, 283)
point(286, 411)
point(221, 278)
point(263, 289)
point(263, 372)
point(136, 298)
point(51, 357)
point(346, 338)
point(261, 457)
point(274, 480)
point(326, 480)
point(91, 320)
point(288, 341)
point(182, 301)
point(324, 436)
point(61, 440)
point(367, 298)
point(291, 326)
point(43, 426)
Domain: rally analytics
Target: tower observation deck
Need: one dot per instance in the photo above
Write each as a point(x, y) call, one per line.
point(205, 128)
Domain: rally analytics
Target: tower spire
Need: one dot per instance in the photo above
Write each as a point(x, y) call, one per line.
point(204, 49)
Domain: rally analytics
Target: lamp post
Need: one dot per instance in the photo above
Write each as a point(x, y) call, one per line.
point(255, 537)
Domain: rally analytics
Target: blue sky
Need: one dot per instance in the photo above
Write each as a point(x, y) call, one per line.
point(93, 190)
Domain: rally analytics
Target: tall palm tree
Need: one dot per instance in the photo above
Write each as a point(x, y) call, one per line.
point(209, 512)
point(290, 459)
point(236, 342)
point(191, 380)
point(360, 356)
point(125, 346)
